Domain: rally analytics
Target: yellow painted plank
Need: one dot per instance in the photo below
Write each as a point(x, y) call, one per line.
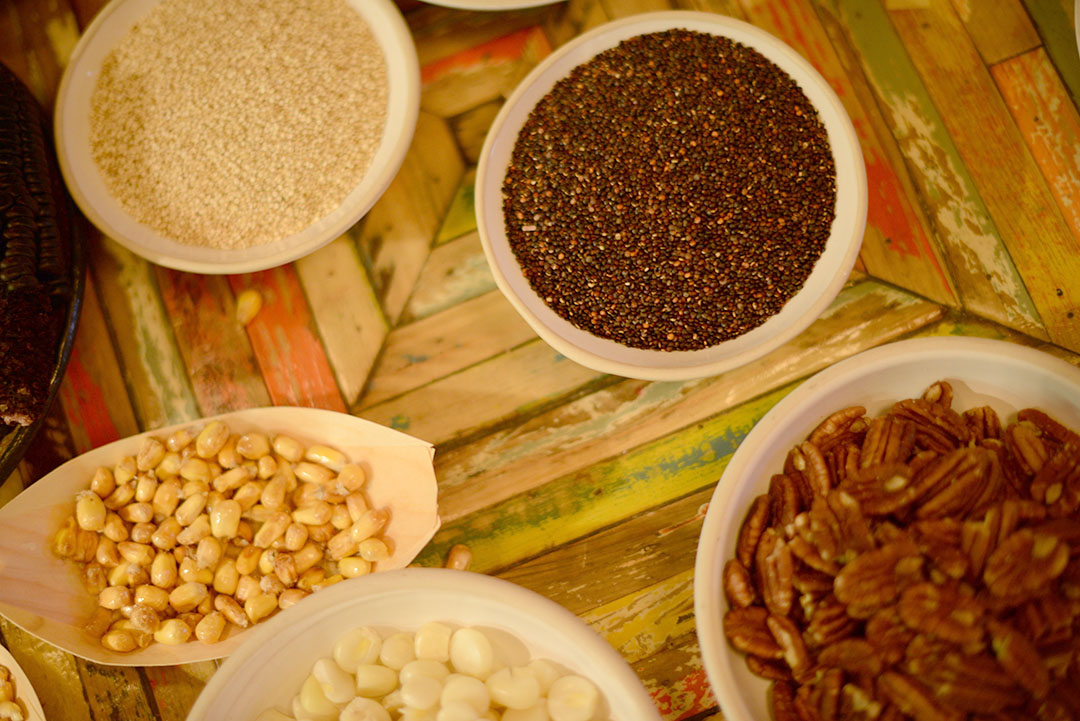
point(1000, 29)
point(676, 679)
point(396, 234)
point(346, 312)
point(625, 8)
point(443, 344)
point(574, 18)
point(1015, 193)
point(629, 413)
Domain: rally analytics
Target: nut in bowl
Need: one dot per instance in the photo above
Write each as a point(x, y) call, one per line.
point(896, 572)
point(416, 614)
point(650, 216)
point(233, 137)
point(168, 546)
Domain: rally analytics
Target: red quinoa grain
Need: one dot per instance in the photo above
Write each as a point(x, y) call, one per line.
point(671, 193)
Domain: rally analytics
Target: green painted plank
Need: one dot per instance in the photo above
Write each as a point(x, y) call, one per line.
point(461, 216)
point(1056, 27)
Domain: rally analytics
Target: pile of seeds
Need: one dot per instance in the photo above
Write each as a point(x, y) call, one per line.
point(671, 193)
point(233, 124)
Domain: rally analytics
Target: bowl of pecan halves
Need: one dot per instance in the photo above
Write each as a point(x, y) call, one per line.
point(900, 538)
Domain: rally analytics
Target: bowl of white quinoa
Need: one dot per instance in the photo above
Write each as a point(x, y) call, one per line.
point(228, 136)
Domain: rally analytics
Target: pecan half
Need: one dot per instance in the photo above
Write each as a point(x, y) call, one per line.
point(973, 683)
point(887, 440)
point(940, 392)
point(943, 423)
point(983, 423)
point(979, 538)
point(768, 668)
point(954, 483)
point(835, 425)
point(881, 489)
point(756, 521)
point(1026, 447)
point(942, 611)
point(857, 704)
point(815, 469)
point(789, 639)
point(783, 702)
point(875, 578)
point(829, 623)
point(747, 631)
point(1048, 426)
point(940, 541)
point(785, 501)
point(1051, 484)
point(774, 567)
point(843, 460)
point(888, 635)
point(912, 698)
point(854, 655)
point(738, 586)
point(1019, 657)
point(1024, 563)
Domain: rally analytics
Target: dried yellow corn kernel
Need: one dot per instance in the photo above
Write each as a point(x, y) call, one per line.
point(119, 640)
point(90, 511)
point(290, 597)
point(314, 514)
point(172, 632)
point(226, 577)
point(64, 540)
point(115, 597)
point(232, 611)
point(296, 536)
point(187, 596)
point(352, 477)
point(260, 605)
point(178, 440)
point(288, 448)
point(210, 628)
point(211, 439)
point(326, 456)
point(248, 305)
point(150, 454)
point(151, 597)
point(354, 566)
point(225, 519)
point(198, 530)
point(103, 483)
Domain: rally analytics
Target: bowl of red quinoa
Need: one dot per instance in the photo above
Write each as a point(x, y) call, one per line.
point(671, 195)
point(231, 136)
point(981, 374)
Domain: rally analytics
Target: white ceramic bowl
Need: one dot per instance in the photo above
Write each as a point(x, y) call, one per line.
point(87, 187)
point(267, 670)
point(44, 595)
point(605, 355)
point(24, 692)
point(1005, 376)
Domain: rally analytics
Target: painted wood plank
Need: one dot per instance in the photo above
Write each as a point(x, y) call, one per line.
point(51, 447)
point(53, 673)
point(396, 235)
point(509, 386)
point(1000, 29)
point(572, 19)
point(461, 215)
point(625, 8)
point(287, 348)
point(441, 32)
point(115, 692)
point(160, 390)
point(897, 244)
point(629, 413)
point(41, 36)
point(443, 344)
point(1015, 193)
point(723, 7)
point(471, 128)
point(175, 688)
point(455, 272)
point(85, 10)
point(215, 349)
point(1050, 124)
point(11, 486)
point(677, 681)
point(986, 278)
point(93, 395)
point(1054, 21)
point(482, 73)
point(346, 312)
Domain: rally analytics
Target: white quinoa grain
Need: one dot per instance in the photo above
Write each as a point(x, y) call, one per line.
point(234, 123)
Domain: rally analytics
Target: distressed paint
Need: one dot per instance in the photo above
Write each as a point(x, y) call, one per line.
point(676, 680)
point(1050, 123)
point(153, 367)
point(455, 272)
point(644, 622)
point(291, 359)
point(903, 252)
point(988, 282)
point(1054, 21)
point(624, 8)
point(49, 669)
point(461, 215)
point(1015, 193)
point(1000, 29)
point(346, 312)
point(175, 688)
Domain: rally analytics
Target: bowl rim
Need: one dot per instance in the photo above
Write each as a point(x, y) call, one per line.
point(427, 580)
point(403, 98)
point(716, 654)
point(693, 364)
point(24, 690)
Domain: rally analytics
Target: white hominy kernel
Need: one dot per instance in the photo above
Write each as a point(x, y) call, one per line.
point(397, 650)
point(421, 692)
point(433, 641)
point(466, 689)
point(314, 701)
point(409, 713)
point(515, 688)
point(423, 667)
point(393, 702)
point(533, 713)
point(364, 709)
point(572, 698)
point(357, 646)
point(457, 711)
point(337, 685)
point(545, 672)
point(471, 653)
point(374, 681)
point(265, 114)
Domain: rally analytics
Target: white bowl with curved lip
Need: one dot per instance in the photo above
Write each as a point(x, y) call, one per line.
point(43, 594)
point(829, 273)
point(86, 185)
point(1006, 376)
point(259, 675)
point(24, 692)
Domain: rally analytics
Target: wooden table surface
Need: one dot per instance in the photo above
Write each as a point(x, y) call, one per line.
point(586, 487)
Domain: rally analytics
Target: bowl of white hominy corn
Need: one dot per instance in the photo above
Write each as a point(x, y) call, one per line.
point(425, 643)
point(169, 546)
point(18, 702)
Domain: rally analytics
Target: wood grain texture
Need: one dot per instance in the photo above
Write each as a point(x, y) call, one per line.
point(1050, 124)
point(460, 217)
point(436, 347)
point(49, 669)
point(455, 272)
point(1016, 194)
point(291, 358)
point(346, 312)
point(588, 429)
point(624, 8)
point(471, 127)
point(222, 368)
point(160, 390)
point(396, 234)
point(986, 279)
point(573, 18)
point(1054, 21)
point(896, 245)
point(1000, 29)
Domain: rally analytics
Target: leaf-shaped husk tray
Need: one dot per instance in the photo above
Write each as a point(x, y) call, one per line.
point(24, 692)
point(44, 594)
